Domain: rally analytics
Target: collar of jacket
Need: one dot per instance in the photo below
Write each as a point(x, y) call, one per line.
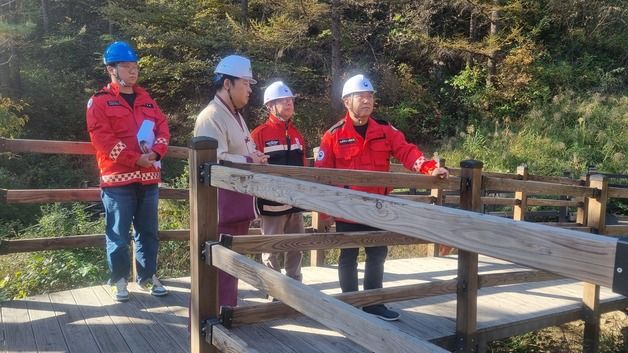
point(114, 89)
point(275, 120)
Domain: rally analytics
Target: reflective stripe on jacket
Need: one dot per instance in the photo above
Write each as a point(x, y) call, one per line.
point(284, 145)
point(113, 126)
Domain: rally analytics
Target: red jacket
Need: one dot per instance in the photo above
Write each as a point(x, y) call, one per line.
point(343, 148)
point(113, 128)
point(285, 145)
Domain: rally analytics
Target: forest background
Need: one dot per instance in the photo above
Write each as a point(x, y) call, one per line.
point(541, 82)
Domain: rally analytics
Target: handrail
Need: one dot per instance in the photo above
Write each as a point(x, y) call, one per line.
point(569, 253)
point(535, 187)
point(68, 147)
point(20, 196)
point(352, 177)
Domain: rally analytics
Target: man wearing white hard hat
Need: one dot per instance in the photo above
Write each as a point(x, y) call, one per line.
point(280, 140)
point(221, 119)
point(360, 142)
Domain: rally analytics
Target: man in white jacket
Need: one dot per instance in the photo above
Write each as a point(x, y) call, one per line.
point(221, 119)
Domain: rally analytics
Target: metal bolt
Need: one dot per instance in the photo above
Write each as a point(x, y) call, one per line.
point(378, 205)
point(620, 270)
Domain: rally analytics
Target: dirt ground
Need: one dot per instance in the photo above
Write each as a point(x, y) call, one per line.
point(568, 338)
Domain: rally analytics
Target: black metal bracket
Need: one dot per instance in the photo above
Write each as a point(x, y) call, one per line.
point(206, 251)
point(205, 173)
point(620, 273)
point(226, 240)
point(226, 316)
point(206, 326)
point(466, 343)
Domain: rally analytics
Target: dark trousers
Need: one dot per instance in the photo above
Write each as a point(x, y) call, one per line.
point(348, 261)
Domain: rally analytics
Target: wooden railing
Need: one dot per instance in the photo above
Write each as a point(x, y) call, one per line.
point(560, 252)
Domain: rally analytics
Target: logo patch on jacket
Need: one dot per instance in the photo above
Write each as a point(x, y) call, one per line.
point(149, 105)
point(113, 103)
point(346, 141)
point(271, 143)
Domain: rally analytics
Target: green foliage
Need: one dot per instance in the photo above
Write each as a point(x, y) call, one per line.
point(11, 119)
point(571, 133)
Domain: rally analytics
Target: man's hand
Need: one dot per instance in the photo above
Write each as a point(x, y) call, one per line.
point(259, 157)
point(440, 172)
point(146, 160)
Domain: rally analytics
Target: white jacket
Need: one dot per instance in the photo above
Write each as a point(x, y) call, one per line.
point(234, 140)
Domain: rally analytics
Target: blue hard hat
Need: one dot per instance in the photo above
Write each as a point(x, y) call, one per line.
point(119, 52)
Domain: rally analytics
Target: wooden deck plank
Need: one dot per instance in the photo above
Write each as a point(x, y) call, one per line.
point(107, 336)
point(170, 311)
point(18, 331)
point(137, 327)
point(76, 332)
point(94, 323)
point(48, 335)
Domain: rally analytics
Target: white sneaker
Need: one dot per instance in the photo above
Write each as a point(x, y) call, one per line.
point(119, 291)
point(153, 286)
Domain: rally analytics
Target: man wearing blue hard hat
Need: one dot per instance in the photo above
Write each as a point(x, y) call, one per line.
point(130, 135)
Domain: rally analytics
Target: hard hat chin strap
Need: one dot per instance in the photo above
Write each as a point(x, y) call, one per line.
point(120, 80)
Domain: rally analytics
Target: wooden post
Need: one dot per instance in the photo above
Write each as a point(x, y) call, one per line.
point(581, 212)
point(521, 199)
point(203, 228)
point(563, 211)
point(467, 292)
point(434, 249)
point(317, 257)
point(596, 219)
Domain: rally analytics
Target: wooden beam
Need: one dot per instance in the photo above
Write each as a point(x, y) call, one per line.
point(75, 242)
point(535, 187)
point(506, 278)
point(616, 230)
point(251, 314)
point(505, 201)
point(271, 311)
point(364, 329)
point(351, 176)
point(416, 198)
point(528, 325)
point(227, 342)
point(255, 244)
point(618, 193)
point(203, 228)
point(553, 202)
point(578, 255)
point(67, 147)
point(19, 196)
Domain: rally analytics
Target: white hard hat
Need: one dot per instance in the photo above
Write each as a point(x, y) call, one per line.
point(355, 84)
point(236, 66)
point(277, 90)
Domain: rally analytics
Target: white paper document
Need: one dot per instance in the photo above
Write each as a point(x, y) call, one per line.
point(146, 138)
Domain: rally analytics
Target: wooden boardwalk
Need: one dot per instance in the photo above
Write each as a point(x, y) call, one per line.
point(88, 320)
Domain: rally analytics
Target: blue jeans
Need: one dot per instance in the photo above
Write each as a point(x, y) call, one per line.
point(125, 205)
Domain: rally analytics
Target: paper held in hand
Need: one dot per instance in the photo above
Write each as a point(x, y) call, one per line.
point(146, 138)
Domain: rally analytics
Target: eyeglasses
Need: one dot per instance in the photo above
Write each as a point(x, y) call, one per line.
point(129, 66)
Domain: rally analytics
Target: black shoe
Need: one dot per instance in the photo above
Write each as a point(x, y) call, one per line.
point(382, 312)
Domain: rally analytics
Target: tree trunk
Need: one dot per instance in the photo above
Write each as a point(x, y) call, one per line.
point(472, 35)
point(495, 27)
point(244, 13)
point(45, 8)
point(336, 66)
